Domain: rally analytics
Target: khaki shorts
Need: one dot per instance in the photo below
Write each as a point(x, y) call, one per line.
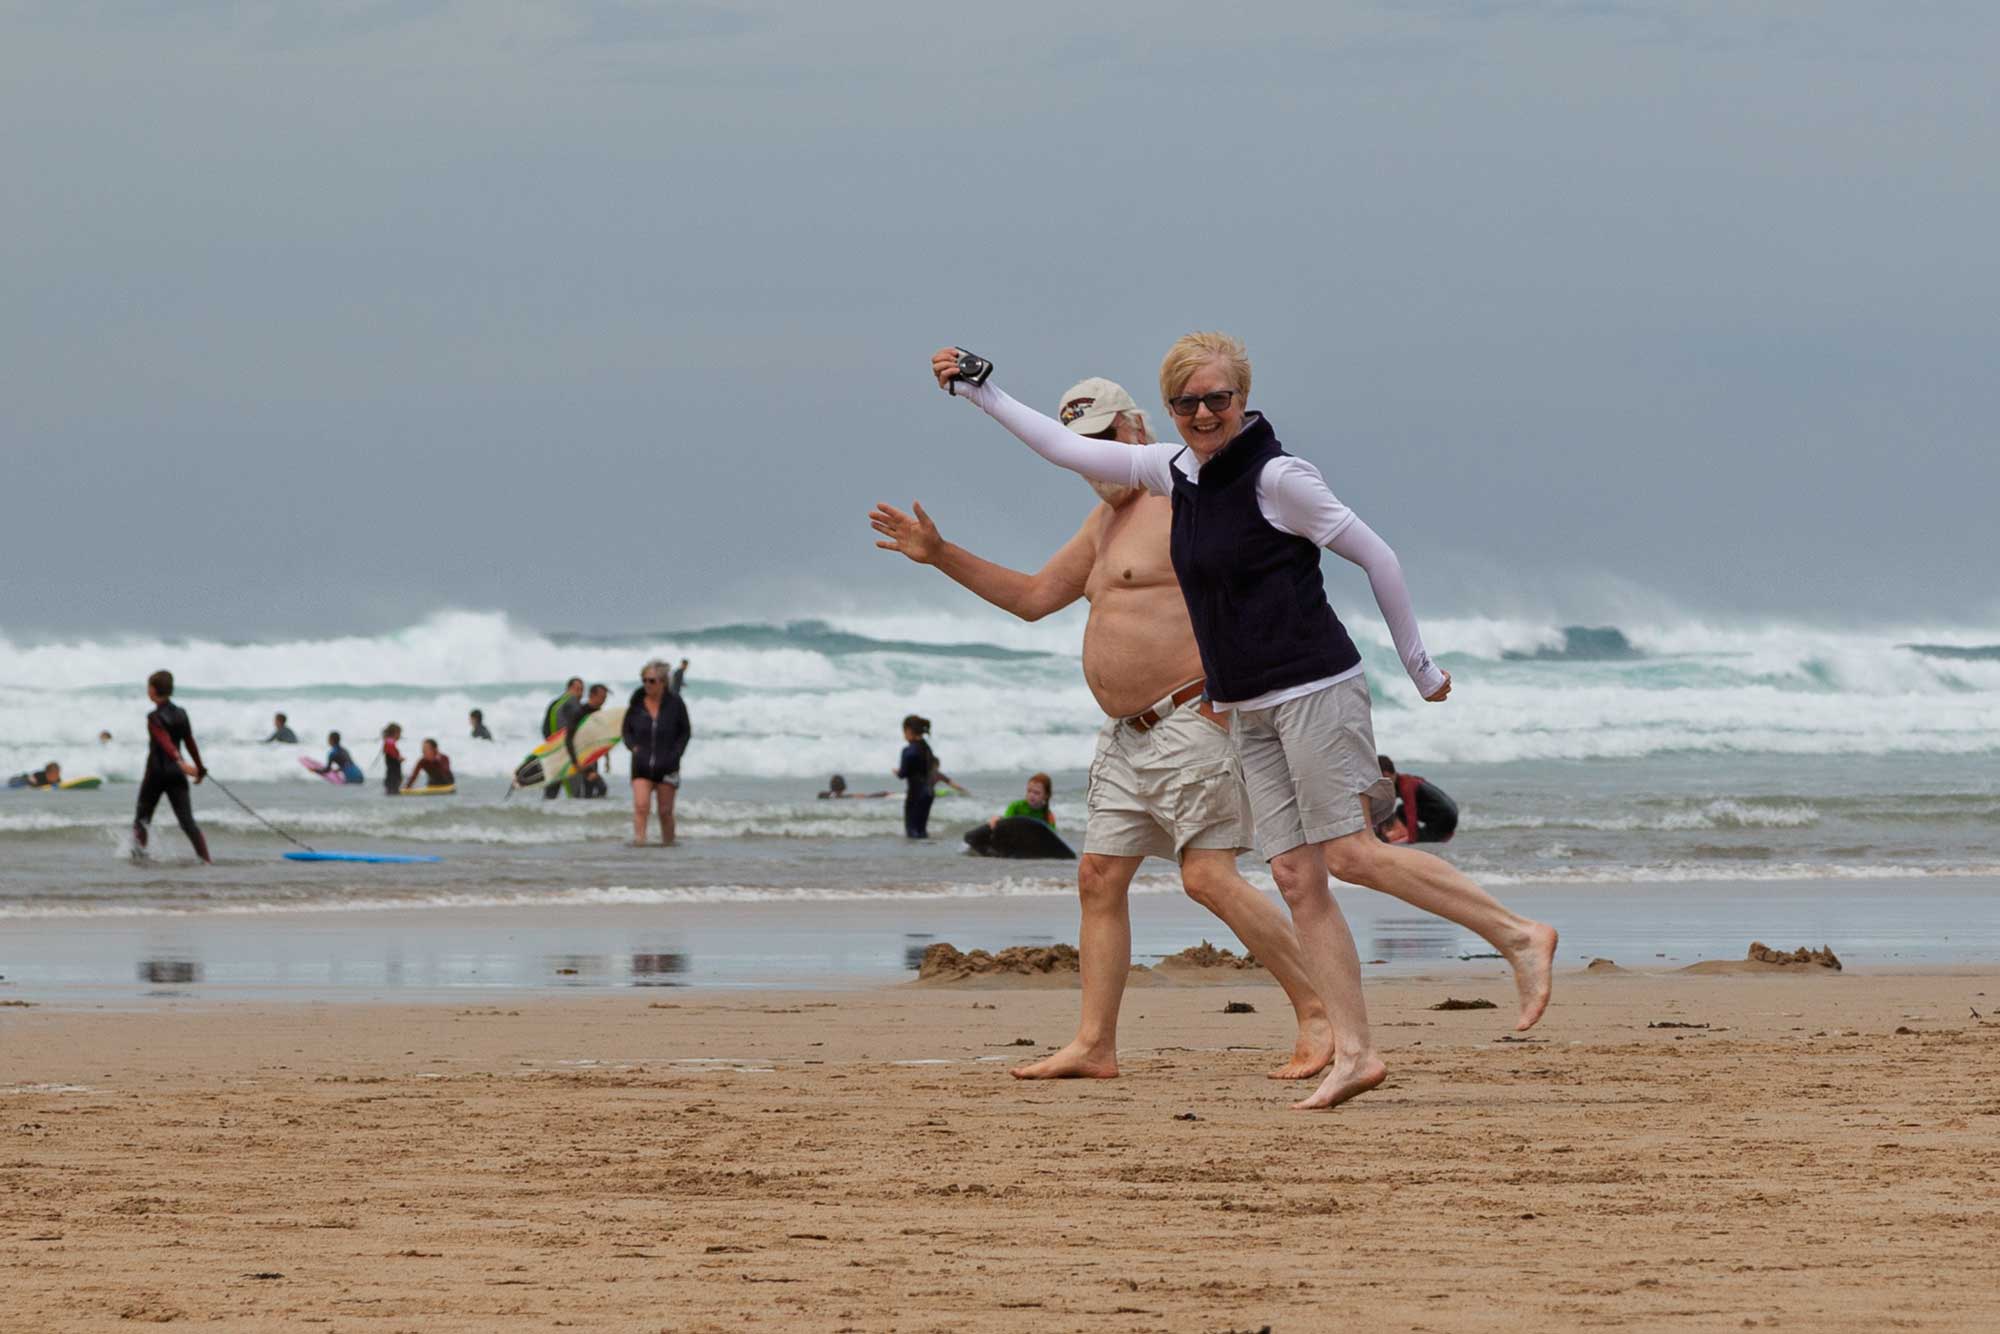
point(1308, 763)
point(1160, 792)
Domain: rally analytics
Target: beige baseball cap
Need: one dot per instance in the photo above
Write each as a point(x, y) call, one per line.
point(1093, 405)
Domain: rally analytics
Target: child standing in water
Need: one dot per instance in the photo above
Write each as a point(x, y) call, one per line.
point(392, 759)
point(920, 771)
point(167, 774)
point(916, 768)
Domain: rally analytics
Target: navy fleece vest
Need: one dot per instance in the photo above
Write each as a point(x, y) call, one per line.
point(1261, 618)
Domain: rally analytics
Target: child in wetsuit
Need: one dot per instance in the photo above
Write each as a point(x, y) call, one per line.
point(339, 761)
point(918, 769)
point(167, 774)
point(392, 759)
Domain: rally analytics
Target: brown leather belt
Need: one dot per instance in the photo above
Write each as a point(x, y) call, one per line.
point(1151, 718)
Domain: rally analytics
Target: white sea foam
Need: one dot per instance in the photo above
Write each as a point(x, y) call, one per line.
point(1723, 813)
point(807, 700)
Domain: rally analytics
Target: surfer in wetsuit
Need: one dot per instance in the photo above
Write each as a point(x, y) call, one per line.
point(1424, 814)
point(836, 790)
point(918, 768)
point(479, 732)
point(339, 761)
point(392, 759)
point(434, 765)
point(281, 732)
point(1033, 806)
point(49, 775)
point(570, 713)
point(572, 694)
point(167, 774)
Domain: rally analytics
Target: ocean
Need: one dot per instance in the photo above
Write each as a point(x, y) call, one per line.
point(1671, 764)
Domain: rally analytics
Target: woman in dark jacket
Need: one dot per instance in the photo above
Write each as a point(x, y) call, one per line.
point(656, 732)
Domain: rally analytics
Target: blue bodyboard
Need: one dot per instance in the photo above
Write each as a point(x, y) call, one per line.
point(358, 857)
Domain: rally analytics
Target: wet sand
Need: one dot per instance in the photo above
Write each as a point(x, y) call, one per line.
point(861, 1160)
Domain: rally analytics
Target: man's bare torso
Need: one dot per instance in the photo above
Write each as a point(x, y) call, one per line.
point(1138, 645)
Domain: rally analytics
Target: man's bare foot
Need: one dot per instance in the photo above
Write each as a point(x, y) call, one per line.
point(1534, 973)
point(1345, 1081)
point(1311, 1053)
point(1075, 1061)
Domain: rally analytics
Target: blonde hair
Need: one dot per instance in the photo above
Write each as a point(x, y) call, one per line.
point(1192, 351)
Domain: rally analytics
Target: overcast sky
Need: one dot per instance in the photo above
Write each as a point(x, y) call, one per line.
point(615, 314)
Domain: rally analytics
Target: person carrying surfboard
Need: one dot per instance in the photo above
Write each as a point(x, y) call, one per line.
point(167, 774)
point(552, 720)
point(571, 710)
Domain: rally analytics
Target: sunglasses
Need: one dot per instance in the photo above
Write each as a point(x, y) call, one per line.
point(1184, 405)
point(649, 680)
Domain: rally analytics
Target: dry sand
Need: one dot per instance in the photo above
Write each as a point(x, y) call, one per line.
point(690, 1161)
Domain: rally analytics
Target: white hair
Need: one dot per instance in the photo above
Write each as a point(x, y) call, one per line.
point(659, 668)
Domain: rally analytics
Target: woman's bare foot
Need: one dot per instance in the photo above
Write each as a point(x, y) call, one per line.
point(1311, 1053)
point(1534, 973)
point(1346, 1080)
point(1076, 1061)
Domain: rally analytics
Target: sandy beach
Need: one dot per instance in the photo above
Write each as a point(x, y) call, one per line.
point(1716, 1150)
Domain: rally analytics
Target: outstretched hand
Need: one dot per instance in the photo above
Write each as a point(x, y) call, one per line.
point(1437, 696)
point(944, 365)
point(913, 535)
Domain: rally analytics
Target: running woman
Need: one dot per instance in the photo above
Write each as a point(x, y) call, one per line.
point(1249, 521)
point(167, 774)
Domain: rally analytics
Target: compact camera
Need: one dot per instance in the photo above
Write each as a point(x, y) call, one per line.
point(972, 368)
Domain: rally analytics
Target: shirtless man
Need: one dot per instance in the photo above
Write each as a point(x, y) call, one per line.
point(1165, 781)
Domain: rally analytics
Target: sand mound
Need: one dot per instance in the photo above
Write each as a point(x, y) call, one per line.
point(1823, 956)
point(1206, 955)
point(944, 962)
point(1602, 966)
point(1763, 959)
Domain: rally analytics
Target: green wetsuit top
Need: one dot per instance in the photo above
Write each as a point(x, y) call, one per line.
point(1020, 809)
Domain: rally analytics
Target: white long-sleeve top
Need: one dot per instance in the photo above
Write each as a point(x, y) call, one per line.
point(1291, 495)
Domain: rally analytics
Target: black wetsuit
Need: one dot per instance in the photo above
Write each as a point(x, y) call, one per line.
point(1436, 813)
point(167, 731)
point(919, 770)
point(569, 715)
point(479, 732)
point(284, 734)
